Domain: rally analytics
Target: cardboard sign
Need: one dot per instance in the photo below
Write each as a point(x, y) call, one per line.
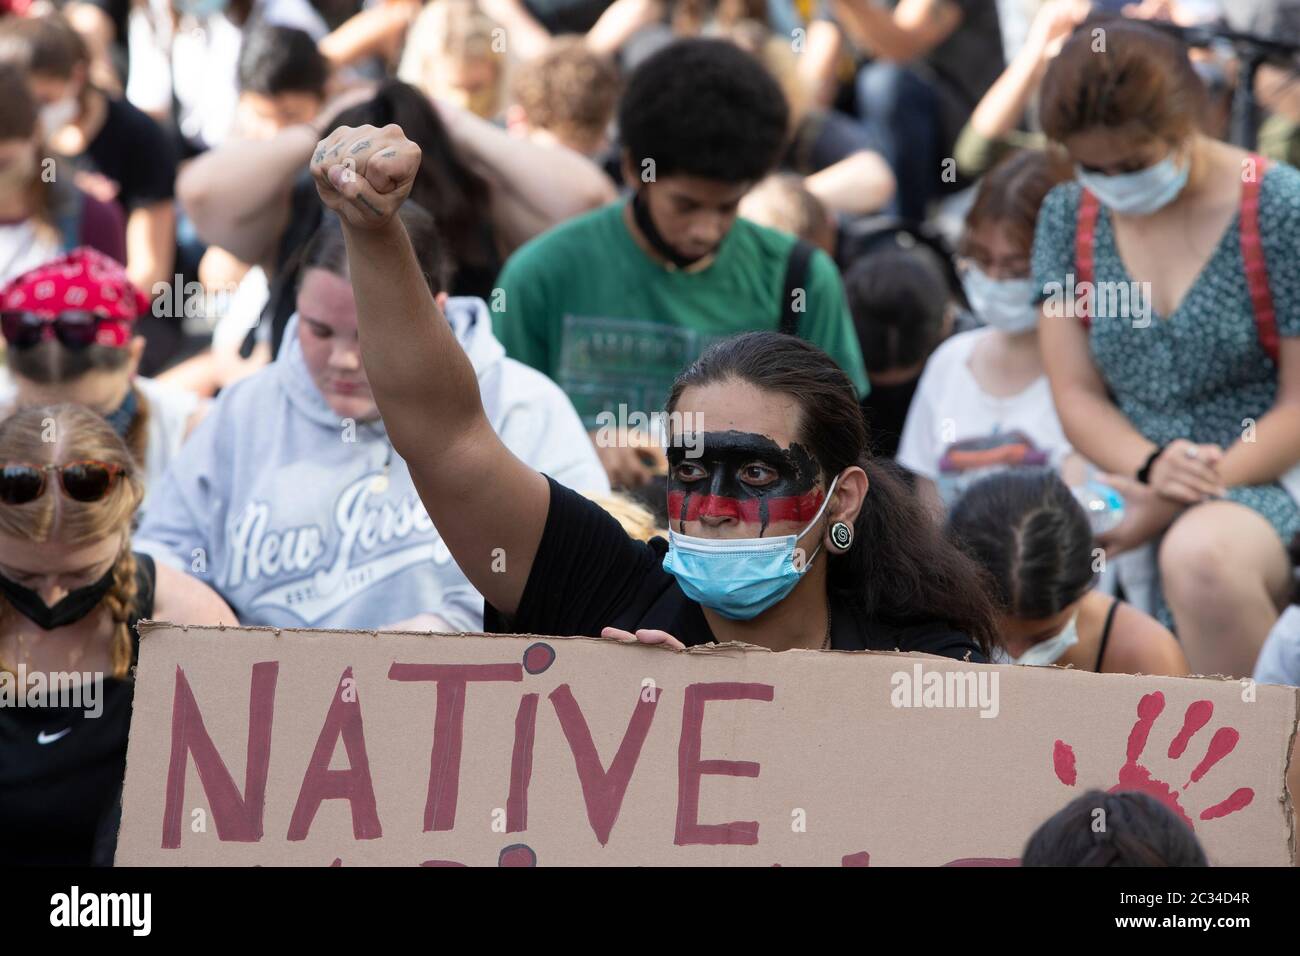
point(257, 746)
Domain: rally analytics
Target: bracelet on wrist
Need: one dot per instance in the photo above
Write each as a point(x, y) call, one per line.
point(1144, 473)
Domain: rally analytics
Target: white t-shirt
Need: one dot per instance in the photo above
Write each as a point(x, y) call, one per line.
point(1279, 659)
point(196, 59)
point(950, 408)
point(170, 410)
point(23, 248)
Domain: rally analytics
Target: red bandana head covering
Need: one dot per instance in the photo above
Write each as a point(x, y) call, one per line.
point(84, 280)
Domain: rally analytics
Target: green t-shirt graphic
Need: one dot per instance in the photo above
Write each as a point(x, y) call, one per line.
point(584, 304)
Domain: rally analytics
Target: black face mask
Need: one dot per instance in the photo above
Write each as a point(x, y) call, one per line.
point(885, 409)
point(72, 608)
point(644, 222)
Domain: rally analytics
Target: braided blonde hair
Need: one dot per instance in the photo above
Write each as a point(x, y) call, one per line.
point(56, 434)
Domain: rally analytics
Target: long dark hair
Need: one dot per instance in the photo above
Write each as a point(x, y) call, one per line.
point(900, 568)
point(1028, 531)
point(327, 249)
point(445, 186)
point(1139, 831)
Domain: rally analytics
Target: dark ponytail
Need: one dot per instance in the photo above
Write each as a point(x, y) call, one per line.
point(1026, 529)
point(900, 569)
point(327, 250)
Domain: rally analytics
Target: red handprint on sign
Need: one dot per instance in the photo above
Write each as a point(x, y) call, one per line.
point(1133, 776)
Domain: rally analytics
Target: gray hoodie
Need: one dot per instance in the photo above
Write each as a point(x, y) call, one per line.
point(281, 506)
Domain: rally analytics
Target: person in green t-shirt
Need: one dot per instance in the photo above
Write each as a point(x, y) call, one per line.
point(614, 304)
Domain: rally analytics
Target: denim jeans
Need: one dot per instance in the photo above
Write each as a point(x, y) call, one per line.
point(901, 110)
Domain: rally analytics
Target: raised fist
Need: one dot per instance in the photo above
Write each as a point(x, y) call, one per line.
point(365, 174)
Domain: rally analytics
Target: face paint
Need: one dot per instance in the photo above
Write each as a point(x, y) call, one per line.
point(791, 496)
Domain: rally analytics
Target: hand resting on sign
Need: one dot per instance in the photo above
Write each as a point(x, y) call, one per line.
point(645, 636)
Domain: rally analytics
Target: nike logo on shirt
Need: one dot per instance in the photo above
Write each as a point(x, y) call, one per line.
point(44, 738)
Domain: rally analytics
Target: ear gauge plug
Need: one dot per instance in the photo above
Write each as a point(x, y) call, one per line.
point(842, 535)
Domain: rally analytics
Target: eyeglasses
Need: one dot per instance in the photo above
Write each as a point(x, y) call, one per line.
point(1017, 269)
point(83, 481)
point(75, 330)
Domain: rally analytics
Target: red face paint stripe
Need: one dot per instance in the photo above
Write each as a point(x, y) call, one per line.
point(800, 508)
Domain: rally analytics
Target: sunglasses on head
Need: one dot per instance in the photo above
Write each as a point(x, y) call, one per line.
point(88, 480)
point(74, 330)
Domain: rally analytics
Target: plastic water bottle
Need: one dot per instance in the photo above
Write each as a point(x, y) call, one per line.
point(1102, 503)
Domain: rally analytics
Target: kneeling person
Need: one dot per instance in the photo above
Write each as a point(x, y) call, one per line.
point(290, 500)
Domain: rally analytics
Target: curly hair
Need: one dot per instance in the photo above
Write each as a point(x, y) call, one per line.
point(568, 90)
point(704, 108)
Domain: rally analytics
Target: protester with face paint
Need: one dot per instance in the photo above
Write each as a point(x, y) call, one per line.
point(784, 533)
point(290, 498)
point(70, 329)
point(1171, 314)
point(1026, 529)
point(990, 381)
point(71, 592)
point(612, 304)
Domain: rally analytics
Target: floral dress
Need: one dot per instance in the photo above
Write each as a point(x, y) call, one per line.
point(1200, 373)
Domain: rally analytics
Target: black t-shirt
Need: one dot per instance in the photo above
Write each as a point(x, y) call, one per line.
point(133, 151)
point(589, 574)
point(965, 64)
point(61, 771)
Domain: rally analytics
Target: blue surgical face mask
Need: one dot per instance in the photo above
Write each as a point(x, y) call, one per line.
point(1044, 652)
point(1006, 304)
point(740, 578)
point(1140, 193)
point(201, 8)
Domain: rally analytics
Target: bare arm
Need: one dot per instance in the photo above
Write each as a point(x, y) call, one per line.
point(376, 31)
point(817, 65)
point(1004, 104)
point(479, 495)
point(910, 30)
point(182, 599)
point(1271, 447)
point(525, 37)
point(858, 184)
point(533, 186)
point(1092, 423)
point(621, 19)
point(1139, 644)
point(151, 244)
point(238, 193)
